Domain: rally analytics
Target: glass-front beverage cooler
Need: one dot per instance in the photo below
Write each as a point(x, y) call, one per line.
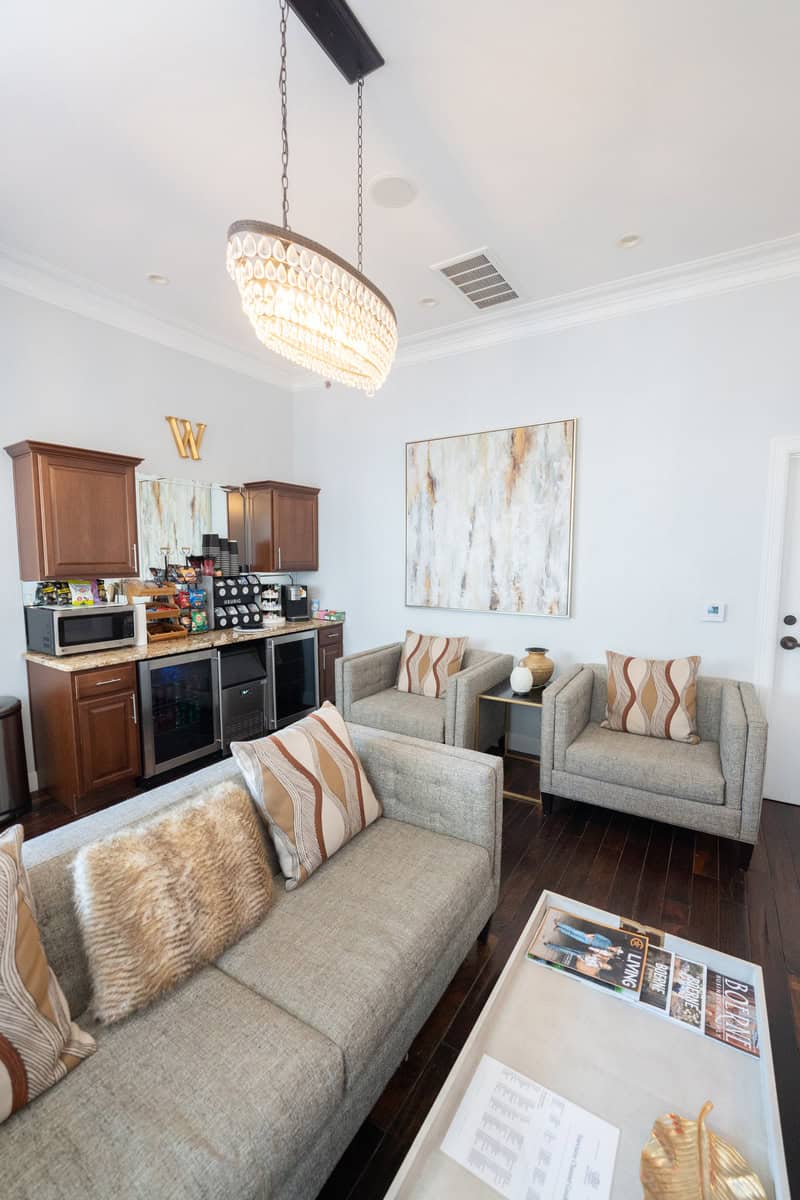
point(180, 709)
point(292, 671)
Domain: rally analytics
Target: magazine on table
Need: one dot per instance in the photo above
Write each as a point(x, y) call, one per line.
point(602, 954)
point(630, 960)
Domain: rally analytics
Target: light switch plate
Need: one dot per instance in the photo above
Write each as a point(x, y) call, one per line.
point(715, 611)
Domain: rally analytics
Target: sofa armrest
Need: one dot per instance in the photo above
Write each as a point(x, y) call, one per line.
point(364, 674)
point(754, 760)
point(570, 693)
point(732, 742)
point(463, 688)
point(442, 788)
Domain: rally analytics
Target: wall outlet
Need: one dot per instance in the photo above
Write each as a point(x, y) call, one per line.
point(715, 611)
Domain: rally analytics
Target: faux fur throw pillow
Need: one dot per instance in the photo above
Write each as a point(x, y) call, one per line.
point(39, 1042)
point(163, 897)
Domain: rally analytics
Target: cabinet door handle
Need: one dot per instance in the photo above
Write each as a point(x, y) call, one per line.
point(135, 714)
point(103, 682)
point(135, 558)
point(279, 558)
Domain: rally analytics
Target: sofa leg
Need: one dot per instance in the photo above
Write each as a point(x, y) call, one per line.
point(745, 854)
point(483, 936)
point(547, 803)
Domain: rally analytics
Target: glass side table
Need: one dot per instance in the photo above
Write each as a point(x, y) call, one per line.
point(502, 693)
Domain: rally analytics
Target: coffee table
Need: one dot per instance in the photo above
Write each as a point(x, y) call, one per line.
point(614, 1058)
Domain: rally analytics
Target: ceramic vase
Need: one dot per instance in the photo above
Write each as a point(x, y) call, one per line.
point(540, 666)
point(521, 680)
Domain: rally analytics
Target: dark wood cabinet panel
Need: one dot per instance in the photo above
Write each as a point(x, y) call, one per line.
point(108, 734)
point(329, 648)
point(280, 522)
point(85, 732)
point(76, 512)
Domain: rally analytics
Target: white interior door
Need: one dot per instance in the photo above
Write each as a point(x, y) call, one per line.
point(782, 779)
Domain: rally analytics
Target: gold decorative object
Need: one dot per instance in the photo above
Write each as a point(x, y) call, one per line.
point(540, 666)
point(186, 439)
point(684, 1160)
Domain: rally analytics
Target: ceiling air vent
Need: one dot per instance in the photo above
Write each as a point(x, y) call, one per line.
point(477, 278)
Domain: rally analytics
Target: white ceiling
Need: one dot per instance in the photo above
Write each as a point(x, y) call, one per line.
point(132, 135)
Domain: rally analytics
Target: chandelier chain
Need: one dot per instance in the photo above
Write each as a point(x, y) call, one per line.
point(284, 4)
point(361, 174)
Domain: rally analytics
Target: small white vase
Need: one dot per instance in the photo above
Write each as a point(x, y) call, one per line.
point(521, 680)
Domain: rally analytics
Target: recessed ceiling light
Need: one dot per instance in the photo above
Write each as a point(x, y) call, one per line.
point(154, 277)
point(391, 191)
point(429, 301)
point(629, 241)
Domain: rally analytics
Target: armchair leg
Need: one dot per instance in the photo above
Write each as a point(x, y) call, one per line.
point(547, 803)
point(483, 936)
point(745, 854)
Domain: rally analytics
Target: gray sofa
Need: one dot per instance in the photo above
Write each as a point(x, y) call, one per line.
point(367, 693)
point(250, 1080)
point(715, 786)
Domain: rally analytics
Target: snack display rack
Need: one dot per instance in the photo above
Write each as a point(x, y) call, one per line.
point(162, 614)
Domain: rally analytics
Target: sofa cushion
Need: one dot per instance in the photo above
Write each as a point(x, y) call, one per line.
point(427, 663)
point(348, 950)
point(402, 712)
point(39, 1041)
point(310, 788)
point(652, 697)
point(210, 1093)
point(652, 764)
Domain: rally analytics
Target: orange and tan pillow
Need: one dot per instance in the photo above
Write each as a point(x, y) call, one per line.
point(428, 662)
point(652, 697)
point(39, 1042)
point(310, 787)
point(165, 896)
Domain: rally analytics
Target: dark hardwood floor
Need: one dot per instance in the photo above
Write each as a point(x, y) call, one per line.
point(686, 883)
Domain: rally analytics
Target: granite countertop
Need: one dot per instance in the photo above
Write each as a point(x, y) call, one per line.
point(195, 641)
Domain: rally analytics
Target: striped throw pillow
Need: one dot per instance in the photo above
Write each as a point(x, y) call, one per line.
point(39, 1042)
point(428, 662)
point(310, 788)
point(653, 698)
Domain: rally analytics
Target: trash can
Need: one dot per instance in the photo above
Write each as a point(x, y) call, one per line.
point(15, 795)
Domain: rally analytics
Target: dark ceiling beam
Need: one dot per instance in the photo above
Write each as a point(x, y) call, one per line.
point(335, 27)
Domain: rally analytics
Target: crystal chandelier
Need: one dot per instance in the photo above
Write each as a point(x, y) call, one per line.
point(304, 301)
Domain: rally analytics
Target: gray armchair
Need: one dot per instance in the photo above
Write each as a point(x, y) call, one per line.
point(714, 786)
point(367, 694)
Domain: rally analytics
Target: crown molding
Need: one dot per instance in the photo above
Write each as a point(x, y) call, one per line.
point(38, 279)
point(712, 276)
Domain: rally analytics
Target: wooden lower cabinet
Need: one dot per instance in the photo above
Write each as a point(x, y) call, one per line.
point(329, 647)
point(85, 732)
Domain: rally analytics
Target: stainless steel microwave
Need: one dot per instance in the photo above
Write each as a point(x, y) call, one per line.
point(54, 629)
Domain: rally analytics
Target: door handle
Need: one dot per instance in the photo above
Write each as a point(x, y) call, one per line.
point(104, 682)
point(789, 642)
point(279, 558)
point(135, 714)
point(135, 558)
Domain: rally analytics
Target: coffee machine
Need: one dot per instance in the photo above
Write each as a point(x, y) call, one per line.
point(296, 602)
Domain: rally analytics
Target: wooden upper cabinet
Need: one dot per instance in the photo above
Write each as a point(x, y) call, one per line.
point(76, 512)
point(280, 521)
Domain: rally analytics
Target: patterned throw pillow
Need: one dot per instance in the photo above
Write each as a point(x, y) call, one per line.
point(39, 1042)
point(167, 895)
point(310, 787)
point(428, 662)
point(653, 698)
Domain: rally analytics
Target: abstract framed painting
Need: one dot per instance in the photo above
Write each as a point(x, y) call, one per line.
point(489, 520)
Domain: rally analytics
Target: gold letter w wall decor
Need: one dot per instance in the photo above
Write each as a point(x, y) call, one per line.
point(186, 440)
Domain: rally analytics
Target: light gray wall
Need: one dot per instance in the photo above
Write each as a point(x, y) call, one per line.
point(64, 378)
point(675, 410)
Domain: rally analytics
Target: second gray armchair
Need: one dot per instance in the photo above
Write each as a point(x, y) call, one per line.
point(366, 693)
